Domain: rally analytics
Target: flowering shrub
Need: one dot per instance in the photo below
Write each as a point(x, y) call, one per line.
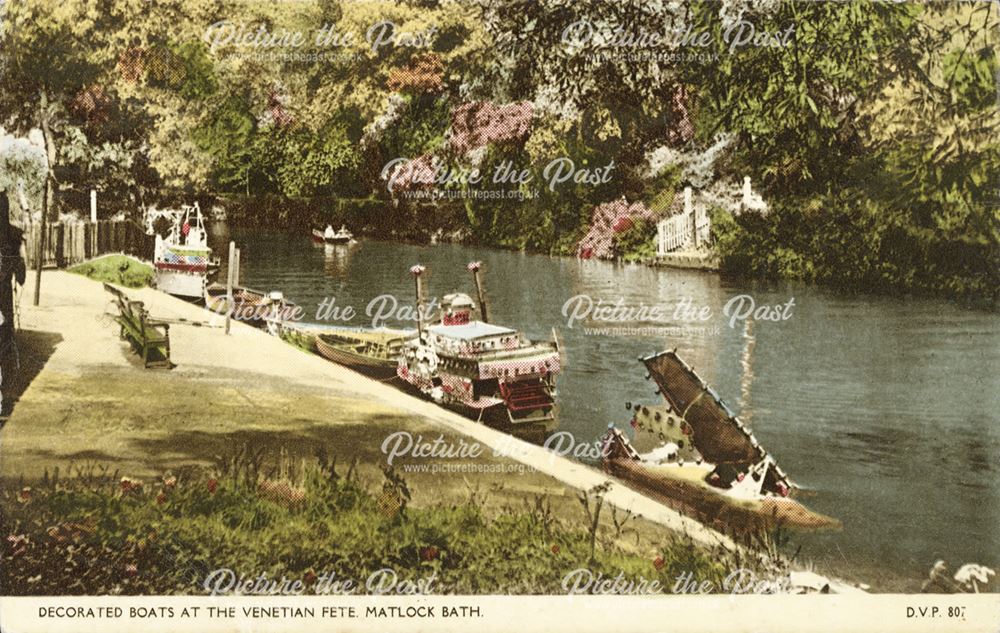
point(607, 221)
point(480, 123)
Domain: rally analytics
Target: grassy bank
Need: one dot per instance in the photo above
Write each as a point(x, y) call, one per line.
point(116, 269)
point(98, 533)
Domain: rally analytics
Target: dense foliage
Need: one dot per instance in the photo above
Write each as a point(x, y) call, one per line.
point(871, 128)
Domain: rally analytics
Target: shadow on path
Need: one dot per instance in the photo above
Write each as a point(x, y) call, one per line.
point(32, 350)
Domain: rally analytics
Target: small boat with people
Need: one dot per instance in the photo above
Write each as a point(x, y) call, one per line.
point(485, 371)
point(182, 260)
point(694, 454)
point(330, 236)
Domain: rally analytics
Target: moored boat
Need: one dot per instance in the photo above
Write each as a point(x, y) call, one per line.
point(182, 261)
point(484, 371)
point(702, 459)
point(250, 306)
point(374, 353)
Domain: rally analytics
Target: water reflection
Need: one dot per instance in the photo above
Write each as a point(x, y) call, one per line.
point(336, 259)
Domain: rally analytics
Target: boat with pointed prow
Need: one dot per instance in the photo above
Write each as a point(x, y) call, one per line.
point(693, 454)
point(485, 371)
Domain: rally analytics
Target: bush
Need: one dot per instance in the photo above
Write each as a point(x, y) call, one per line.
point(116, 269)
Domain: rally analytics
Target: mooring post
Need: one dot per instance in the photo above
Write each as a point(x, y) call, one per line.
point(93, 206)
point(229, 283)
point(416, 271)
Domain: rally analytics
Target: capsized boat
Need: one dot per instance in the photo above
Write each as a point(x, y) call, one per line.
point(703, 460)
point(329, 236)
point(250, 306)
point(485, 371)
point(372, 352)
point(182, 261)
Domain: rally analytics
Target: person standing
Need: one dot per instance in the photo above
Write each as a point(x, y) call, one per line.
point(12, 270)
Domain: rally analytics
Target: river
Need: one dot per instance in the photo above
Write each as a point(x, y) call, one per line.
point(883, 409)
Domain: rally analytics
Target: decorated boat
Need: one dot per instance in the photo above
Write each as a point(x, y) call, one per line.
point(694, 454)
point(250, 306)
point(182, 260)
point(485, 371)
point(372, 352)
point(329, 236)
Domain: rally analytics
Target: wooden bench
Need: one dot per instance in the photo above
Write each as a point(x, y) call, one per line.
point(148, 336)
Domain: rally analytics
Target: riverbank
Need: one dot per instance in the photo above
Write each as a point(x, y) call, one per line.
point(86, 401)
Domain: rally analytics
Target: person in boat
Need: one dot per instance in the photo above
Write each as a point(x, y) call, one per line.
point(329, 233)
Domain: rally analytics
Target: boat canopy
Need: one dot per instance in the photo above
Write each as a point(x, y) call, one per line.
point(470, 331)
point(718, 434)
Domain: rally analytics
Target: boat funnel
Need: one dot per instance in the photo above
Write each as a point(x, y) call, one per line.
point(474, 268)
point(417, 270)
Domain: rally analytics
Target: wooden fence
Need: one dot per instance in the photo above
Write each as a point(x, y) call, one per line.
point(68, 244)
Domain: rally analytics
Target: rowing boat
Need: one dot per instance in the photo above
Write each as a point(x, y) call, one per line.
point(373, 352)
point(253, 307)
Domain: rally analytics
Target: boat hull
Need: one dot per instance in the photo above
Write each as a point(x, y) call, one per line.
point(379, 369)
point(490, 410)
point(249, 306)
point(181, 282)
point(318, 237)
point(680, 488)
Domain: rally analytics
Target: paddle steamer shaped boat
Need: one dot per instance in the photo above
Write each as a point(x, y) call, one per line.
point(485, 371)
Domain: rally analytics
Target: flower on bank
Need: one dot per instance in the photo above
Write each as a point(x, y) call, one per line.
point(555, 549)
point(281, 492)
point(24, 494)
point(309, 577)
point(69, 531)
point(128, 485)
point(161, 498)
point(658, 563)
point(213, 483)
point(131, 570)
point(972, 575)
point(170, 482)
point(17, 544)
point(429, 553)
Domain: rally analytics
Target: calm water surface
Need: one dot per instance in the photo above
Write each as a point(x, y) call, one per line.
point(883, 409)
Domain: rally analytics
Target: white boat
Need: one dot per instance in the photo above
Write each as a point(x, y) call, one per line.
point(182, 260)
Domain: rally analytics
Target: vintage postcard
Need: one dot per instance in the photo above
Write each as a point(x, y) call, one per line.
point(494, 315)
